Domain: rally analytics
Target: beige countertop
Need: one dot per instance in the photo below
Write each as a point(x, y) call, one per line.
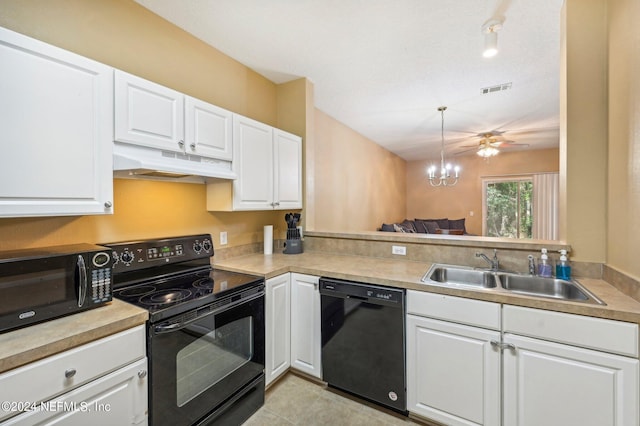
point(20, 347)
point(407, 274)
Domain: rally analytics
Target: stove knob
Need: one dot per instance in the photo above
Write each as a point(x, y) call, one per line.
point(197, 247)
point(206, 244)
point(126, 257)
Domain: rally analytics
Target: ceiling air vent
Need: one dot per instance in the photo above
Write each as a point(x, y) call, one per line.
point(493, 89)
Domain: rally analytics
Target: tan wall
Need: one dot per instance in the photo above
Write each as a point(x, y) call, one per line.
point(123, 34)
point(425, 201)
point(623, 230)
point(358, 184)
point(583, 129)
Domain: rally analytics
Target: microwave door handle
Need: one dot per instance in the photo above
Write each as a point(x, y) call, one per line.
point(82, 285)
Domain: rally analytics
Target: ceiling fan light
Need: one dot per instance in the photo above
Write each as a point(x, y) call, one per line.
point(487, 151)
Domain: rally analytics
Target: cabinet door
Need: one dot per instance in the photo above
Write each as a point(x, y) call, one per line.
point(453, 372)
point(306, 348)
point(277, 325)
point(57, 130)
point(253, 163)
point(147, 113)
point(119, 398)
point(553, 384)
point(288, 170)
point(207, 130)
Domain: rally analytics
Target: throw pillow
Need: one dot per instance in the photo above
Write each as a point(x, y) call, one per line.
point(387, 228)
point(409, 225)
point(442, 223)
point(431, 226)
point(398, 228)
point(420, 228)
point(457, 224)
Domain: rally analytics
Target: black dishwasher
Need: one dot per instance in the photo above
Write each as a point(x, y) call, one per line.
point(363, 341)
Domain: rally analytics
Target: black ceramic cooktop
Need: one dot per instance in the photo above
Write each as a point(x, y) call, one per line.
point(170, 296)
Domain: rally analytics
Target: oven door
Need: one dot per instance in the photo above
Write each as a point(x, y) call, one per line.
point(204, 358)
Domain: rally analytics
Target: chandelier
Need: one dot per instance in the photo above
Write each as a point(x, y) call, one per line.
point(445, 178)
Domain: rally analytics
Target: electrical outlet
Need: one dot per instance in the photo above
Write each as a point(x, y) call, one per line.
point(223, 238)
point(401, 250)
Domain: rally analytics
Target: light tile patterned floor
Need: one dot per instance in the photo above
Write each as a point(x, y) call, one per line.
point(294, 400)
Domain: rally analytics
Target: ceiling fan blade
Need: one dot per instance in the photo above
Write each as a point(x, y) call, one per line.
point(475, 148)
point(514, 145)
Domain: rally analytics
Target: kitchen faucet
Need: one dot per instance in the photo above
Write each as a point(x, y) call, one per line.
point(495, 263)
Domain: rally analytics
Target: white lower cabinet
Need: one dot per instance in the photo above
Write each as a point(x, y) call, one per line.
point(119, 398)
point(453, 370)
point(306, 344)
point(103, 382)
point(551, 384)
point(549, 368)
point(278, 326)
point(548, 382)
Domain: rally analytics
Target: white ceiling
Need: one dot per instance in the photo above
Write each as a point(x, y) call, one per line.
point(383, 67)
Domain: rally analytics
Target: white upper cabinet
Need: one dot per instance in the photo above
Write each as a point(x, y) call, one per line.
point(287, 179)
point(253, 163)
point(208, 129)
point(149, 114)
point(56, 116)
point(268, 162)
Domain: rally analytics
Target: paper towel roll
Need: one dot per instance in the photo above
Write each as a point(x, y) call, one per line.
point(268, 239)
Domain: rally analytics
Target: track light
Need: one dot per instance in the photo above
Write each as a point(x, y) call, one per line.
point(490, 30)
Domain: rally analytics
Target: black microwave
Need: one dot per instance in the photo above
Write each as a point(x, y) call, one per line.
point(44, 283)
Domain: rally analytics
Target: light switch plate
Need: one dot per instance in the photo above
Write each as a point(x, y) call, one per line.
point(223, 238)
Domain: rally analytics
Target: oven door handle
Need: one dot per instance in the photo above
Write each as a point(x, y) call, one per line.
point(168, 328)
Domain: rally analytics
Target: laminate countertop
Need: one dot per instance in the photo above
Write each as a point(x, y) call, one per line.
point(25, 345)
point(408, 275)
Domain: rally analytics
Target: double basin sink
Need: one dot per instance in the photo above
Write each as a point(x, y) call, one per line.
point(499, 281)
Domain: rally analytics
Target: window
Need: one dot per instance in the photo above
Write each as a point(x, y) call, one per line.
point(507, 207)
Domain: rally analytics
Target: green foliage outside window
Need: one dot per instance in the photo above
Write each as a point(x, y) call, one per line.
point(509, 209)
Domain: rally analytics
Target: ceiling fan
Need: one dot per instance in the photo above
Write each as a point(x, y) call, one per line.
point(490, 144)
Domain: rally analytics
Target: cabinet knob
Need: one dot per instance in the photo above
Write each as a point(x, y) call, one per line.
point(181, 143)
point(142, 374)
point(193, 146)
point(108, 204)
point(70, 373)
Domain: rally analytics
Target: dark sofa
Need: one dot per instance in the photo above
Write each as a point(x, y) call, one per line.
point(426, 226)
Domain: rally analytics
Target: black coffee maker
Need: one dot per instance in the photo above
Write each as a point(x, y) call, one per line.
point(293, 245)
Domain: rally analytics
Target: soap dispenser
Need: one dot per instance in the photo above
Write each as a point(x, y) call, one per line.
point(563, 269)
point(544, 267)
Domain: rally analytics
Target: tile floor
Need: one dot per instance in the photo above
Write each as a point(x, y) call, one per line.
point(294, 400)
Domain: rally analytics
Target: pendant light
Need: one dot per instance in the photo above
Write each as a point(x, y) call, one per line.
point(445, 178)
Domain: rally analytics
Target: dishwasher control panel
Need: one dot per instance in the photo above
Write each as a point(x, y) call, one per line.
point(370, 292)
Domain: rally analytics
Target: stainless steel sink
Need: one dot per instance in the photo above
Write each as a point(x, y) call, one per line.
point(459, 275)
point(546, 287)
point(455, 276)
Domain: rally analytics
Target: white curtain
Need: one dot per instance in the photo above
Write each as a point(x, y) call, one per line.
point(546, 187)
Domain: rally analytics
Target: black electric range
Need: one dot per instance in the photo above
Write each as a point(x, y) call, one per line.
point(205, 334)
point(172, 275)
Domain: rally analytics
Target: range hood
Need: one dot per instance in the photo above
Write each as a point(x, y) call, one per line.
point(141, 162)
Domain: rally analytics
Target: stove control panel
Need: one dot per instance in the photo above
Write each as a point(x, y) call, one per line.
point(146, 254)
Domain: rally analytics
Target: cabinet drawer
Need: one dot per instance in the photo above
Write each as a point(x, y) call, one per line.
point(596, 333)
point(456, 309)
point(44, 379)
